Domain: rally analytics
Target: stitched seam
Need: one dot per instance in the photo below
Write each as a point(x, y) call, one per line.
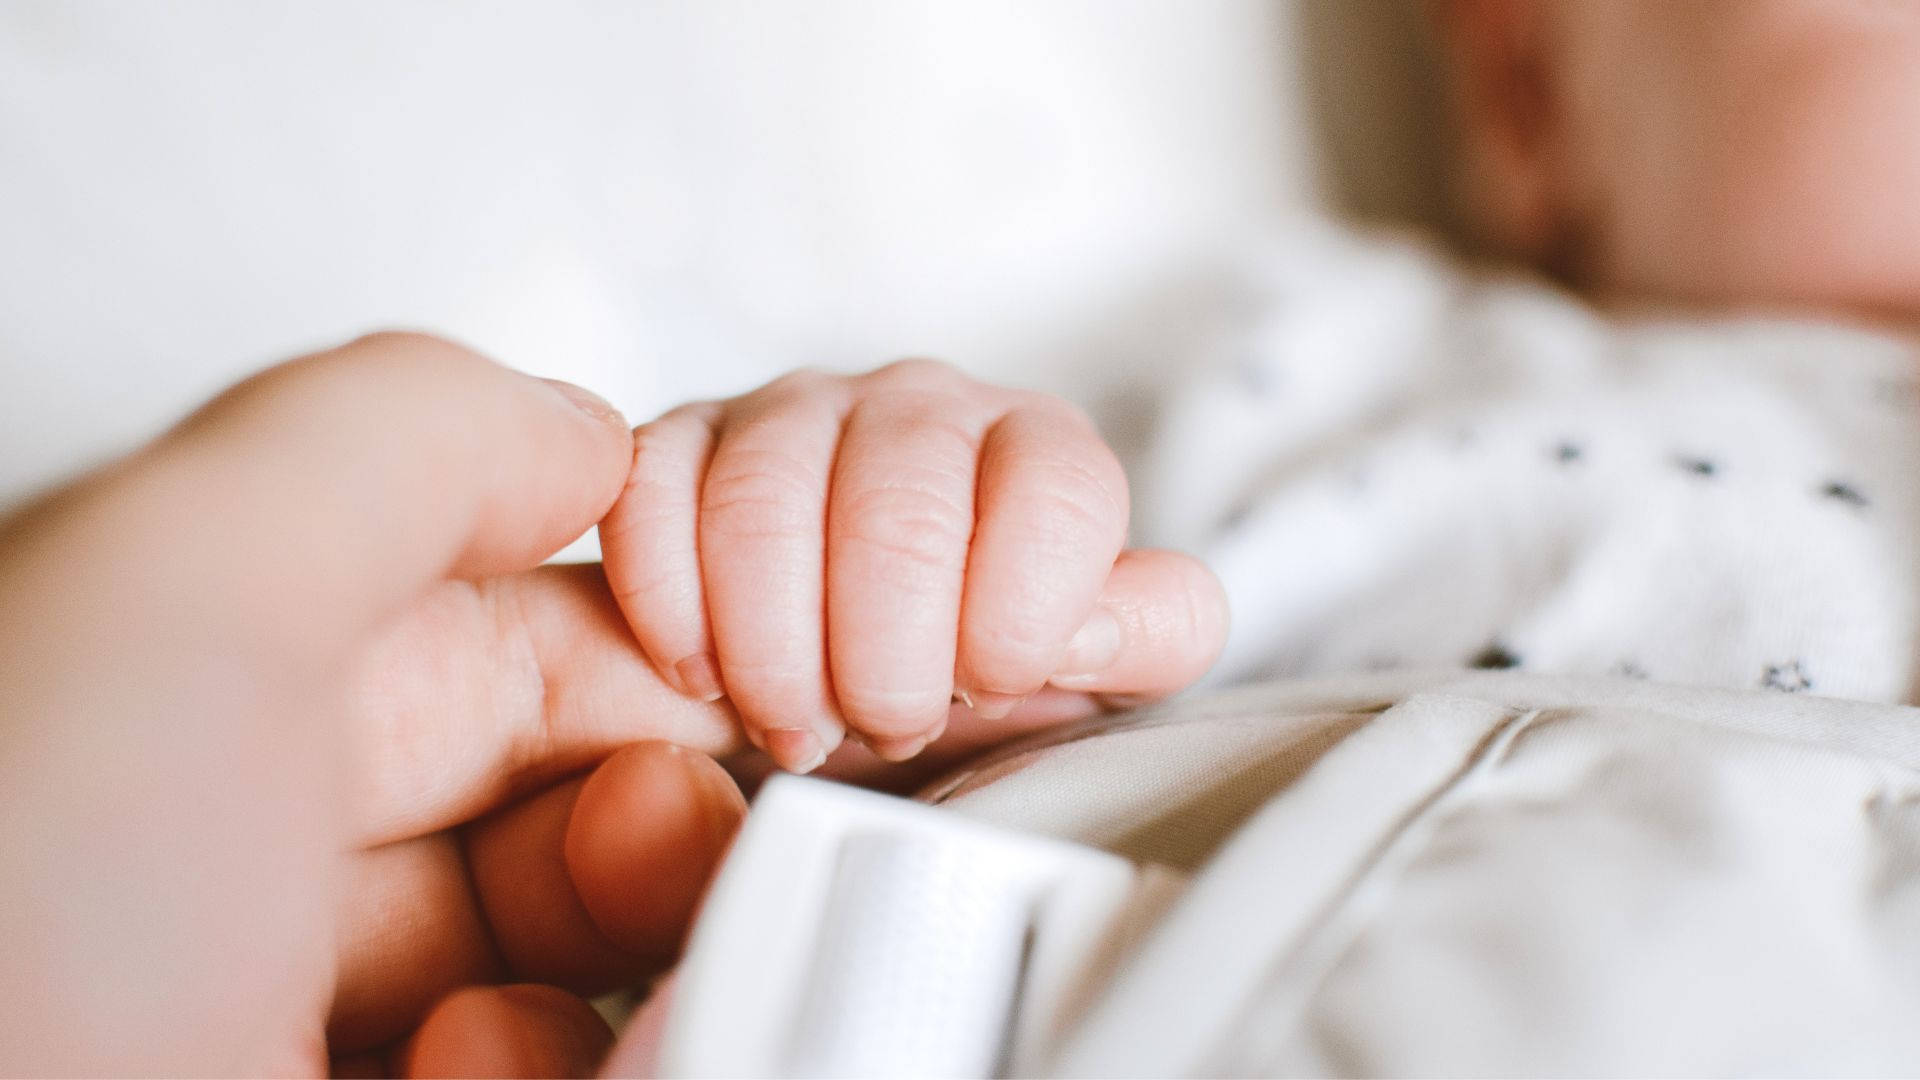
point(1094, 727)
point(1323, 940)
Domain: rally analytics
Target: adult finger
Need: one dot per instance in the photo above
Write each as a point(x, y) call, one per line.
point(174, 627)
point(315, 498)
point(407, 933)
point(482, 692)
point(762, 558)
point(650, 542)
point(589, 884)
point(593, 883)
point(523, 1030)
point(648, 831)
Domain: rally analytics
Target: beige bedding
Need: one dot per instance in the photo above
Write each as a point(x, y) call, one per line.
point(1434, 873)
point(1445, 873)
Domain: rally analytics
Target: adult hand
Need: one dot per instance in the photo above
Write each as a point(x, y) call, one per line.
point(295, 741)
point(306, 763)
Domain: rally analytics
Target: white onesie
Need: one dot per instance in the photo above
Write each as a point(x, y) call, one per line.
point(1396, 464)
point(1393, 462)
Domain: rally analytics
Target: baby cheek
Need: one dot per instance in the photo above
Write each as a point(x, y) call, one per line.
point(1814, 193)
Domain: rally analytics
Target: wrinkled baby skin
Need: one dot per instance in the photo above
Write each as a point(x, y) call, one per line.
point(879, 554)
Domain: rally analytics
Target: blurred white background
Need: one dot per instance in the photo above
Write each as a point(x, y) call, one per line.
point(660, 201)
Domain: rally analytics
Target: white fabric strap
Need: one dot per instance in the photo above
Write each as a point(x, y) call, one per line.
point(853, 934)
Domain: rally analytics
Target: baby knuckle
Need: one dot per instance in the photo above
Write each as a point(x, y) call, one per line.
point(801, 382)
point(763, 499)
point(1049, 407)
point(921, 528)
point(643, 586)
point(928, 445)
point(403, 342)
point(656, 452)
point(406, 359)
point(918, 371)
point(421, 346)
point(1073, 501)
point(751, 516)
point(645, 505)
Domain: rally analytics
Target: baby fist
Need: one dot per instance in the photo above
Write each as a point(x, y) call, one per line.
point(838, 553)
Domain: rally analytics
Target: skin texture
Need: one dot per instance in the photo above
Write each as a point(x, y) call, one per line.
point(306, 763)
point(838, 554)
point(1735, 153)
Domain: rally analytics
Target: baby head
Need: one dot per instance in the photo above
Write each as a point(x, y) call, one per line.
point(1727, 152)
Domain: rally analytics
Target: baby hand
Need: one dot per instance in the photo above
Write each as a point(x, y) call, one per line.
point(836, 553)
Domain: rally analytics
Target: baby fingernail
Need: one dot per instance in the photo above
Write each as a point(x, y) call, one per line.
point(794, 749)
point(988, 705)
point(588, 402)
point(699, 677)
point(1094, 647)
point(898, 749)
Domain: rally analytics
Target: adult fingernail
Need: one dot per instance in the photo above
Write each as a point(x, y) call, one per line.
point(699, 677)
point(1093, 648)
point(796, 750)
point(588, 402)
point(988, 705)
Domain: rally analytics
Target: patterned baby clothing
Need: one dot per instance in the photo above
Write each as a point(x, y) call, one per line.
point(1393, 461)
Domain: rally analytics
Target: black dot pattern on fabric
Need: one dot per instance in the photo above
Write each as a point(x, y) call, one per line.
point(1789, 678)
point(1698, 466)
point(1840, 491)
point(1574, 453)
point(1237, 516)
point(1495, 657)
point(1900, 393)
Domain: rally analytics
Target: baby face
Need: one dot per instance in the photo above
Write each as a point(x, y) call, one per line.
point(1724, 151)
